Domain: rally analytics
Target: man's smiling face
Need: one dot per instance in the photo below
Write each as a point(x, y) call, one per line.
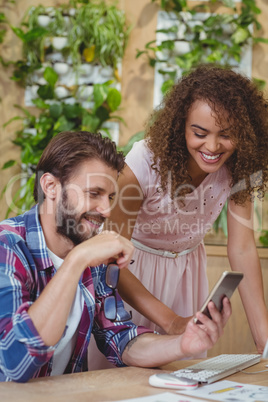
point(86, 201)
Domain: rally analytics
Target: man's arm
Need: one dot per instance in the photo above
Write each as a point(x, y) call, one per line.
point(30, 329)
point(50, 311)
point(152, 350)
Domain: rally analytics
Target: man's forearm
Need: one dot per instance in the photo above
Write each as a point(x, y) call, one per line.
point(50, 311)
point(152, 350)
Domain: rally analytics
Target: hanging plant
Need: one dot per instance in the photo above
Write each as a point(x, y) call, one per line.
point(53, 69)
point(99, 34)
point(205, 37)
point(92, 32)
point(54, 117)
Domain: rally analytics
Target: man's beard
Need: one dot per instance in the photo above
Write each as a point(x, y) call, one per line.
point(69, 224)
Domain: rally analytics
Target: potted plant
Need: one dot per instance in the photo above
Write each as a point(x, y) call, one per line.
point(206, 37)
point(99, 34)
point(80, 41)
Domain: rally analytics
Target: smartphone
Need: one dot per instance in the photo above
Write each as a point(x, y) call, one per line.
point(225, 286)
point(265, 352)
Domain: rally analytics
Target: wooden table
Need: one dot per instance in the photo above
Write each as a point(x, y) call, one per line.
point(105, 385)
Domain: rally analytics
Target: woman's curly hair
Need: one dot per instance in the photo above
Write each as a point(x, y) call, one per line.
point(225, 91)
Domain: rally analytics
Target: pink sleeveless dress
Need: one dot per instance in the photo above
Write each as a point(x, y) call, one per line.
point(180, 283)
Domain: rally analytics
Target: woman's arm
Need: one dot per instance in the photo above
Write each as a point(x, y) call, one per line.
point(243, 257)
point(125, 211)
point(134, 293)
point(122, 220)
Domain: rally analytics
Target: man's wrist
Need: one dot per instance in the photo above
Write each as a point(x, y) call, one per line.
point(76, 261)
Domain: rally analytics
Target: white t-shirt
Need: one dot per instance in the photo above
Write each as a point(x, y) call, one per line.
point(66, 345)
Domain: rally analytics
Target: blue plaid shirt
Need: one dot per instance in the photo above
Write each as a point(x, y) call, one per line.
point(25, 270)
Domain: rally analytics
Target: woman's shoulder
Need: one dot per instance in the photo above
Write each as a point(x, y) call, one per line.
point(139, 146)
point(140, 161)
point(139, 154)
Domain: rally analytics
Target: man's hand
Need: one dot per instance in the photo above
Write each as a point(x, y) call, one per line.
point(152, 350)
point(178, 325)
point(201, 337)
point(106, 247)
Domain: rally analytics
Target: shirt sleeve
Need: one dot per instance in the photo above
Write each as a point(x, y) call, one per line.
point(22, 351)
point(112, 337)
point(139, 160)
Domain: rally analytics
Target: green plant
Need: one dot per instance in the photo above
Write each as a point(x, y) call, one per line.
point(136, 137)
point(99, 34)
point(95, 31)
point(264, 238)
point(3, 30)
point(4, 23)
point(56, 112)
point(54, 117)
point(221, 221)
point(212, 37)
point(33, 44)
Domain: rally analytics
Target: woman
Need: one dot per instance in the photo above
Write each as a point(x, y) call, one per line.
point(207, 144)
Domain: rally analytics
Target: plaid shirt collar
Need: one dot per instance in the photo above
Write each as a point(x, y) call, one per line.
point(35, 239)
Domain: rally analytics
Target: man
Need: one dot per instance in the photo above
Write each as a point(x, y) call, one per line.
point(53, 283)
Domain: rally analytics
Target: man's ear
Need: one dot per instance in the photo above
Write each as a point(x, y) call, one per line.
point(50, 185)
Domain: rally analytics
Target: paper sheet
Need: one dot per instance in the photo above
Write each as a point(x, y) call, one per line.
point(231, 391)
point(163, 397)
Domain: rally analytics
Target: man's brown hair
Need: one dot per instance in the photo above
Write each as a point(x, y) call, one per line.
point(68, 149)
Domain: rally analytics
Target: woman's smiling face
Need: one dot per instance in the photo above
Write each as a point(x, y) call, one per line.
point(209, 145)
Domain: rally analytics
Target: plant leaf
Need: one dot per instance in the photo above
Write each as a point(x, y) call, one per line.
point(89, 53)
point(72, 111)
point(55, 110)
point(45, 92)
point(240, 35)
point(38, 102)
point(264, 238)
point(100, 92)
point(103, 114)
point(113, 99)
point(9, 163)
point(35, 33)
point(19, 32)
point(13, 119)
point(136, 137)
point(50, 76)
point(63, 124)
point(262, 40)
point(90, 122)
